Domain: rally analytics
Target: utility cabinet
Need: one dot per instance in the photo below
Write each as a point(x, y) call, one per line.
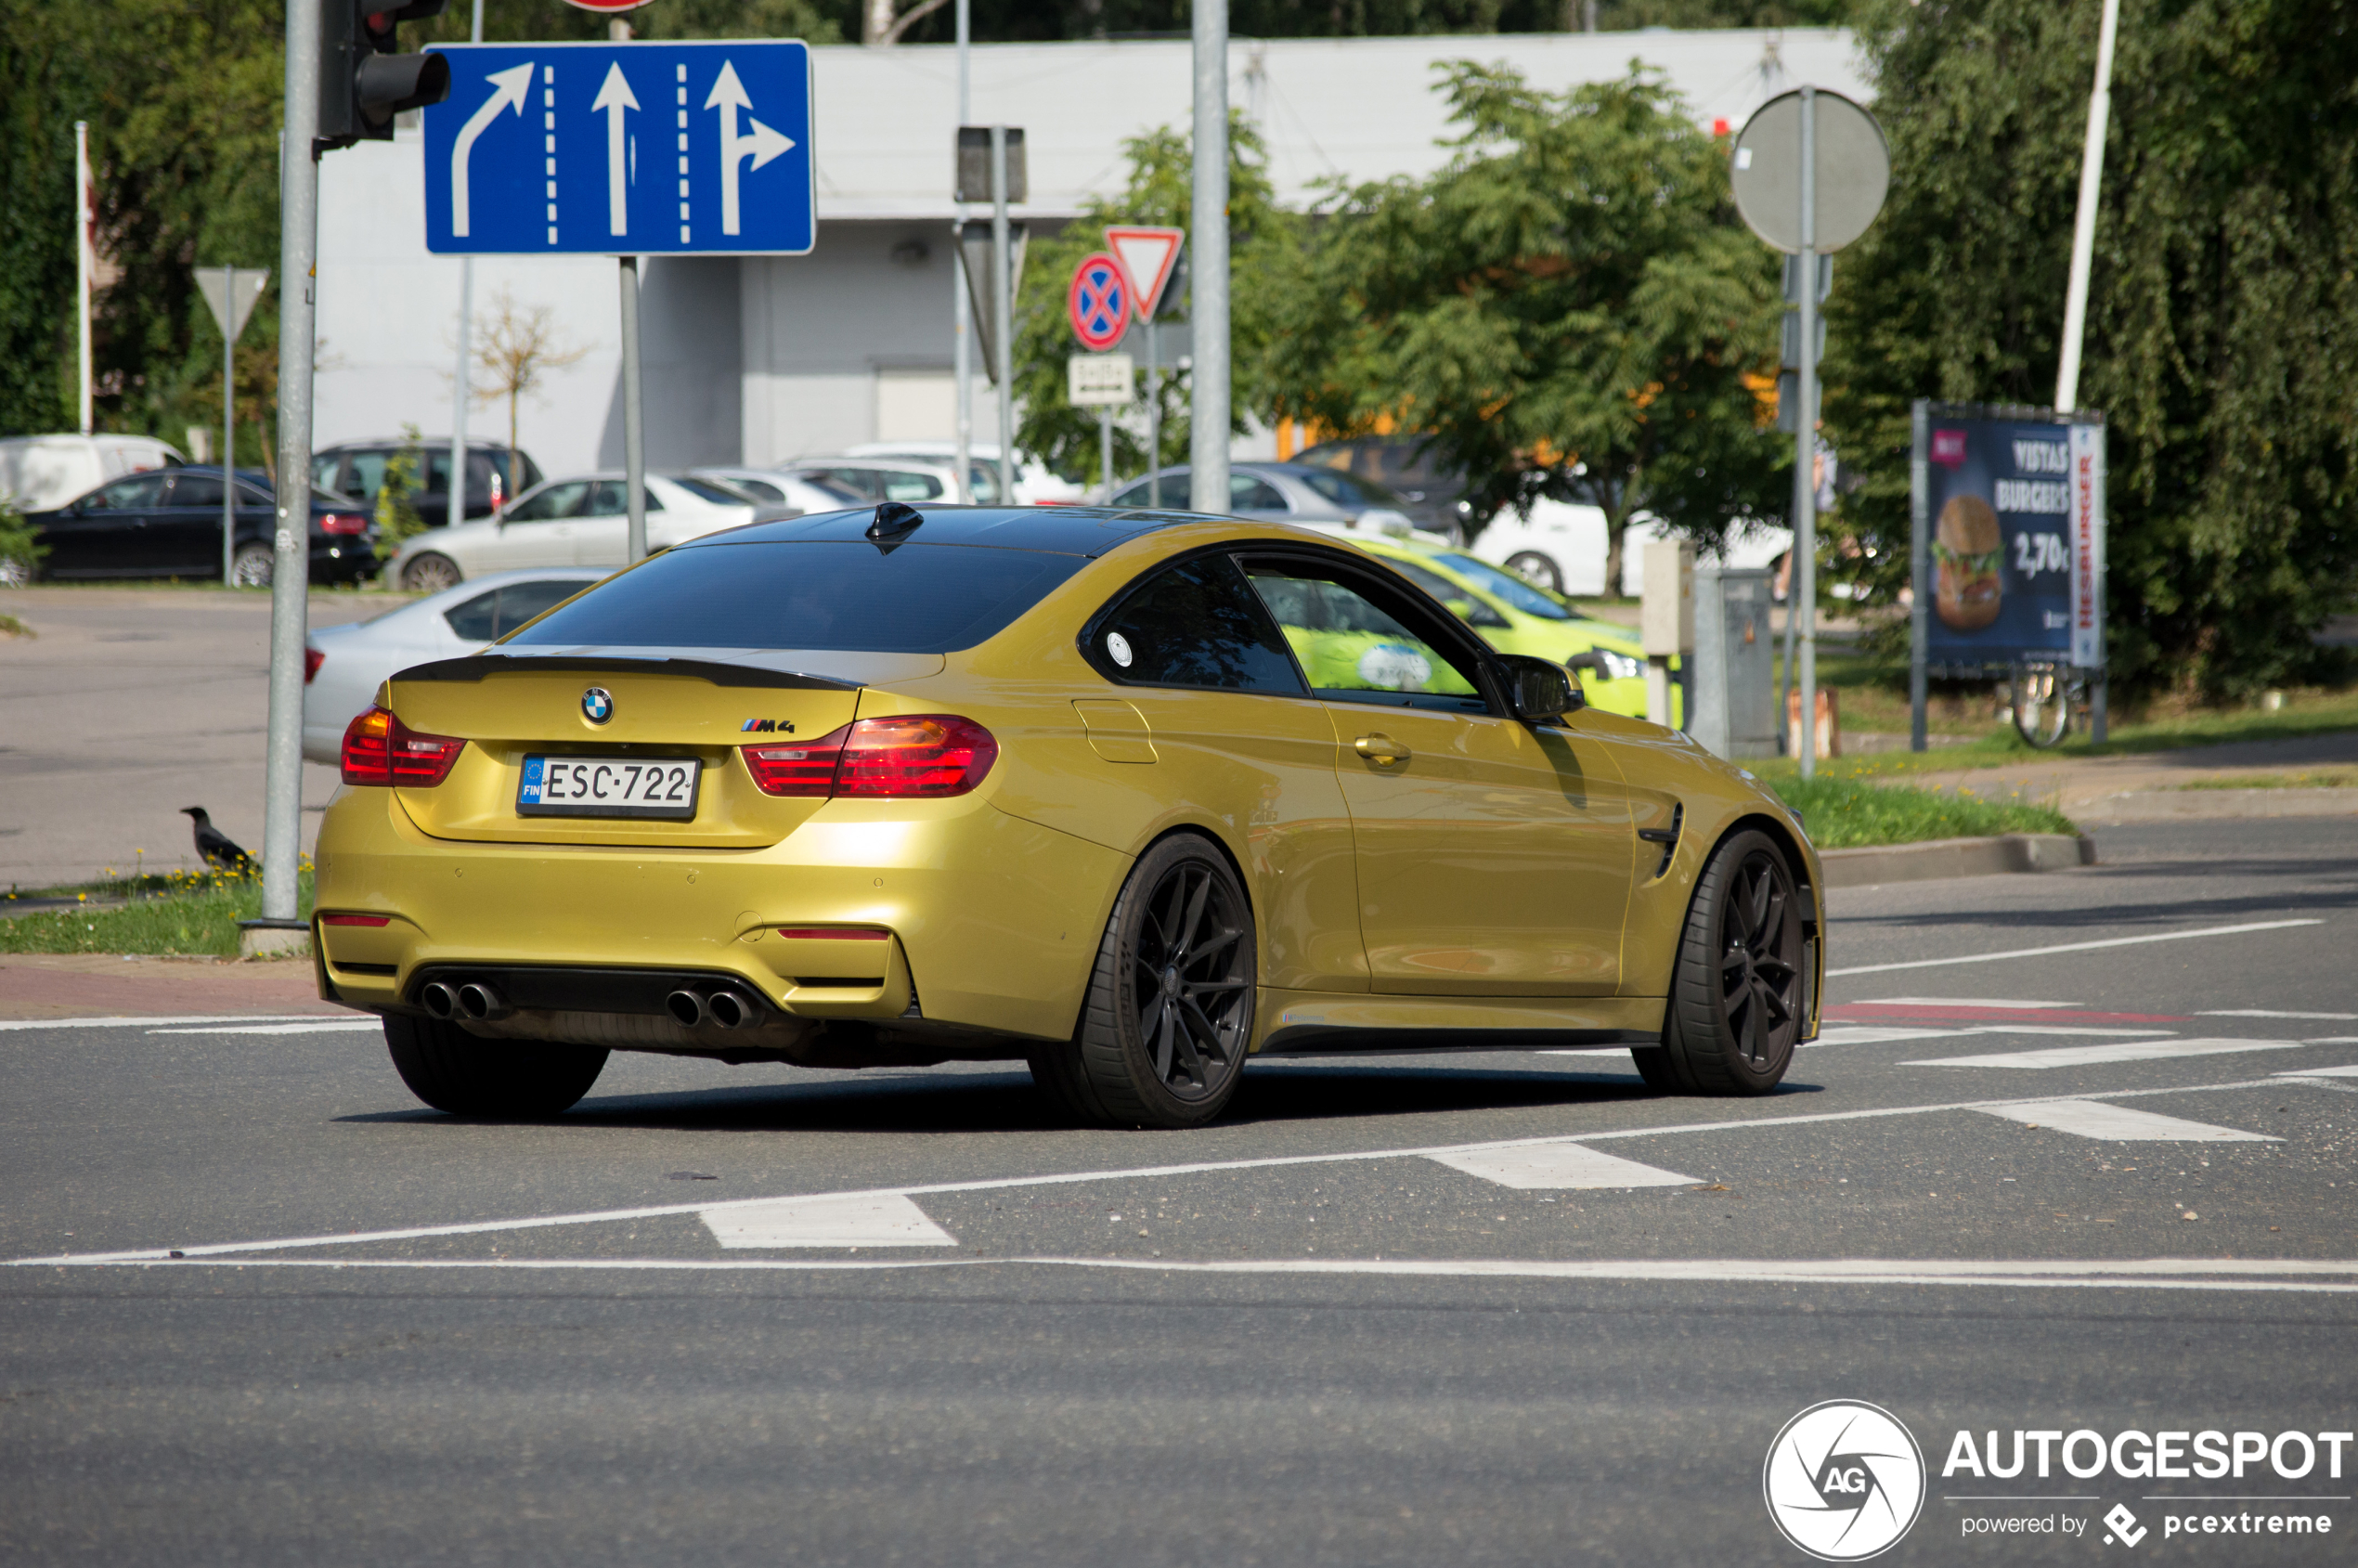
point(1734, 665)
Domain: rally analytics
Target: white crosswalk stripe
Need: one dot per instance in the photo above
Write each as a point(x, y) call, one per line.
point(2094, 1055)
point(2347, 1069)
point(1960, 1002)
point(1557, 1165)
point(2095, 1119)
point(863, 1220)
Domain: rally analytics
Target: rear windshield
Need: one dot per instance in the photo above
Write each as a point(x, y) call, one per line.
point(847, 595)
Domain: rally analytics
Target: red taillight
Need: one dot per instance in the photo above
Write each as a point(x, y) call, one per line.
point(928, 755)
point(379, 749)
point(343, 523)
point(312, 659)
point(355, 920)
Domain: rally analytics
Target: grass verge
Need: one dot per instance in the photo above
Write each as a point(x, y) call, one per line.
point(1849, 813)
point(178, 913)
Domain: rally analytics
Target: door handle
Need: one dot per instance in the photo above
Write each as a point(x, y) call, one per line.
point(1381, 748)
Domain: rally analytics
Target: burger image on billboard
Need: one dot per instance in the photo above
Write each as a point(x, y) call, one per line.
point(1966, 553)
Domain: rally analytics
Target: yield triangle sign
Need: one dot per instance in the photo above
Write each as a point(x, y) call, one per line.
point(1147, 254)
point(973, 252)
point(230, 292)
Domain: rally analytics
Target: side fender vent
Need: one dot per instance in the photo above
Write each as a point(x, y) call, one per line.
point(1666, 837)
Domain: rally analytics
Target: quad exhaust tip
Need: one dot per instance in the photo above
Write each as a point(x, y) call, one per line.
point(479, 1000)
point(439, 1000)
point(723, 1009)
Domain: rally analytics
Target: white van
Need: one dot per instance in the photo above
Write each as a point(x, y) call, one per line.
point(43, 472)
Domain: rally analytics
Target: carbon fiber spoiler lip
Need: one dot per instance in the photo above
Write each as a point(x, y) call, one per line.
point(473, 667)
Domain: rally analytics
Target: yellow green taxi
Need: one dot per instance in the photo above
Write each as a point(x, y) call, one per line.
point(1092, 789)
point(1516, 617)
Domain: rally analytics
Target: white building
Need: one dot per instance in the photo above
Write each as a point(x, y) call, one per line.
point(759, 359)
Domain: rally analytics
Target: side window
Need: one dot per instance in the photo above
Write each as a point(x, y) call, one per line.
point(898, 487)
point(323, 471)
point(1248, 494)
point(190, 489)
point(139, 493)
point(1360, 643)
point(1339, 488)
point(520, 602)
point(1174, 492)
point(477, 620)
point(1196, 624)
point(1459, 601)
point(364, 474)
point(605, 499)
point(557, 500)
point(437, 471)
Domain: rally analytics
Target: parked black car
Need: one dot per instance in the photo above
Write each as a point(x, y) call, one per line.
point(166, 523)
point(1402, 463)
point(356, 471)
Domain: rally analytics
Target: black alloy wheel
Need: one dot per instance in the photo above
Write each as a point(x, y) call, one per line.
point(1168, 1015)
point(1739, 994)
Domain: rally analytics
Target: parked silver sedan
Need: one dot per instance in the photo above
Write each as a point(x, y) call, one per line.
point(1287, 492)
point(343, 666)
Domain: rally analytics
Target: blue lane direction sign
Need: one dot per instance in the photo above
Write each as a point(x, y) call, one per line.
point(651, 148)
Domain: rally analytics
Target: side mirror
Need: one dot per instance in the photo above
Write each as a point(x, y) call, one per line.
point(1539, 689)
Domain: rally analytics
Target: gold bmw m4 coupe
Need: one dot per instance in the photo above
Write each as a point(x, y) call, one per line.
point(1130, 796)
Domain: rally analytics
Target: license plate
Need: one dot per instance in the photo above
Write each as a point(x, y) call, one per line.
point(609, 786)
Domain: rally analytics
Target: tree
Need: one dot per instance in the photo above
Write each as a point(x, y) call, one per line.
point(515, 353)
point(2223, 317)
point(1262, 240)
point(1568, 308)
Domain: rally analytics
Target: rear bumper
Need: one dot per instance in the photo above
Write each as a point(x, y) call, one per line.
point(992, 921)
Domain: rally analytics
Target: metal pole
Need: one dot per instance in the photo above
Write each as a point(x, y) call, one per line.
point(1208, 309)
point(290, 566)
point(1918, 569)
point(634, 428)
point(462, 393)
point(1003, 312)
point(962, 306)
point(1104, 449)
point(1804, 601)
point(2083, 229)
point(82, 258)
point(228, 426)
point(1154, 417)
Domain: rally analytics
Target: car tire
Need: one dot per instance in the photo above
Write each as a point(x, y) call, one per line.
point(431, 573)
point(252, 566)
point(1539, 570)
point(1167, 1018)
point(521, 1079)
point(1737, 992)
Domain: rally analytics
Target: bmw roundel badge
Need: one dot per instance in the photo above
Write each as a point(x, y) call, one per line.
point(597, 704)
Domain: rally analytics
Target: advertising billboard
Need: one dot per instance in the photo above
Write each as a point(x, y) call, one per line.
point(2009, 549)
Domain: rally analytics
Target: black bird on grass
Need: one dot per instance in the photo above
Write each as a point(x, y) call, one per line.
point(219, 852)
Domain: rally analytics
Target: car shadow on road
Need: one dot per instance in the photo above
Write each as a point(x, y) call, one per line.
point(912, 1101)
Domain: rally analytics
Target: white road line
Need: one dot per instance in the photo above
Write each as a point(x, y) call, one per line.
point(2089, 1055)
point(322, 1026)
point(2149, 1274)
point(1552, 1166)
point(2348, 1069)
point(1957, 1002)
point(1004, 1183)
point(167, 1018)
point(886, 1220)
point(2266, 1013)
point(2331, 1040)
point(1875, 1034)
point(2093, 1119)
point(2073, 947)
point(2145, 1033)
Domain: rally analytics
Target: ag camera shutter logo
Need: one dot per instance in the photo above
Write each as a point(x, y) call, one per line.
point(1844, 1481)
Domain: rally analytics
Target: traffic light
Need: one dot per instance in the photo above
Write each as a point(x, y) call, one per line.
point(362, 83)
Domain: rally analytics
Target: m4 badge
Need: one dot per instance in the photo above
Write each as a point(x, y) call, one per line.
point(765, 727)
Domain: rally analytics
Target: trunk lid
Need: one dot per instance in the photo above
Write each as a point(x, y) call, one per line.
point(509, 708)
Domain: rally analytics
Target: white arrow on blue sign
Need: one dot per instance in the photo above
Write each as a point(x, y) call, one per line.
point(649, 148)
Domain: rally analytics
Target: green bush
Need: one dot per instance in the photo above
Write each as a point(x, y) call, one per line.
point(22, 551)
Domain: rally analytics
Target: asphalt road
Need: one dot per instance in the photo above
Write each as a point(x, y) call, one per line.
point(126, 705)
point(1333, 1328)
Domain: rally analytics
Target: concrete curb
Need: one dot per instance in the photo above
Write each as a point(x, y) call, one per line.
point(1956, 857)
